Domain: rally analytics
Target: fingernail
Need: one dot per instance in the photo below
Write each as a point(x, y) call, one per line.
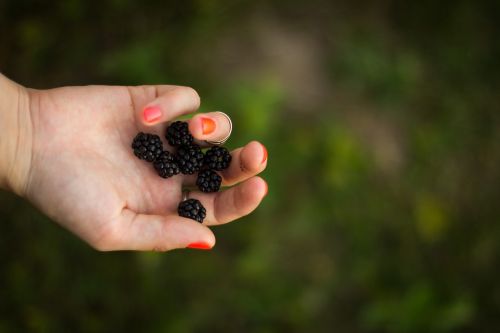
point(267, 189)
point(264, 158)
point(199, 245)
point(207, 125)
point(152, 113)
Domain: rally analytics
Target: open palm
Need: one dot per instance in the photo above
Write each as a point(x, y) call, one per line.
point(84, 175)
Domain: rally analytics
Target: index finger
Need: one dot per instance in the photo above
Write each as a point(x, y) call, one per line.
point(162, 103)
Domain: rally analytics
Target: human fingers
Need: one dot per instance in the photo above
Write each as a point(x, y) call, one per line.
point(141, 232)
point(212, 127)
point(246, 162)
point(162, 103)
point(233, 203)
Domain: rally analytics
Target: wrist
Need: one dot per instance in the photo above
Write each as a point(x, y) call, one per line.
point(15, 136)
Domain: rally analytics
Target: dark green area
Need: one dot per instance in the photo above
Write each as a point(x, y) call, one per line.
point(382, 123)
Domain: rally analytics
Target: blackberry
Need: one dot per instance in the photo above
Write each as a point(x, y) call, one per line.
point(208, 181)
point(165, 165)
point(178, 134)
point(189, 159)
point(217, 158)
point(192, 209)
point(147, 146)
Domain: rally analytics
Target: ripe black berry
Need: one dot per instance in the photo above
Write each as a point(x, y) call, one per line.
point(178, 134)
point(147, 146)
point(217, 158)
point(165, 165)
point(189, 159)
point(208, 181)
point(192, 209)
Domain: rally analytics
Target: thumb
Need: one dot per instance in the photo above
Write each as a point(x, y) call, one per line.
point(161, 103)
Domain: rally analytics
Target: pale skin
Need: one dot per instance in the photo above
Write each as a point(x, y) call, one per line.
point(67, 150)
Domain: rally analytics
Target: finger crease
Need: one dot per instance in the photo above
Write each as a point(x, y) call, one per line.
point(214, 204)
point(242, 167)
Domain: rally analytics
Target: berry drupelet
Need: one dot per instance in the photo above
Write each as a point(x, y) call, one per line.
point(192, 209)
point(165, 165)
point(177, 134)
point(217, 158)
point(189, 159)
point(147, 146)
point(208, 181)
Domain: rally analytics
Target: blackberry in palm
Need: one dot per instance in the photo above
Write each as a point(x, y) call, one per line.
point(165, 165)
point(147, 146)
point(189, 159)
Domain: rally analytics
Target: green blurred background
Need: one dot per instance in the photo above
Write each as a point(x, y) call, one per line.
point(383, 128)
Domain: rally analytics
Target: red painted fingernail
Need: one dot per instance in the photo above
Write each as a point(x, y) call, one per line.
point(151, 113)
point(199, 245)
point(207, 125)
point(264, 158)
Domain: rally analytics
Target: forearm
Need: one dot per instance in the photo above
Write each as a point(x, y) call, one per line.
point(15, 136)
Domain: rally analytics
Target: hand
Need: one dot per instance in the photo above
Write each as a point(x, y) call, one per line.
point(83, 174)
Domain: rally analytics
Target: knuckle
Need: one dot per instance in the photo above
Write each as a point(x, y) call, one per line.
point(152, 91)
point(243, 168)
point(147, 90)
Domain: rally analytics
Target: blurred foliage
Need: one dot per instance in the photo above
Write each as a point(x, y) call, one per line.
point(382, 124)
